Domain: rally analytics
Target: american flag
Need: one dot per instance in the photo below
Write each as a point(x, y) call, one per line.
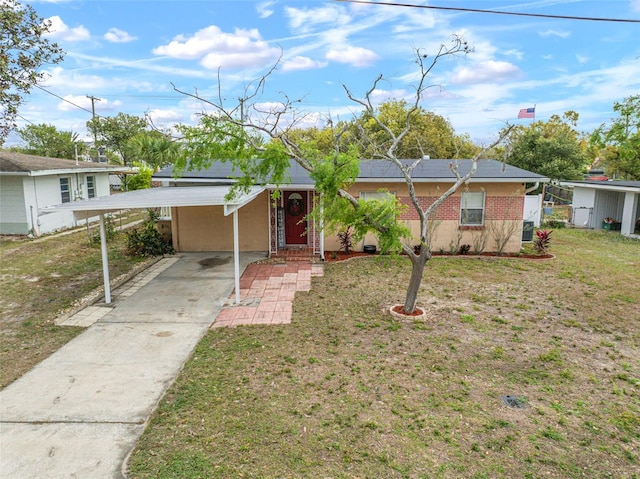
point(527, 113)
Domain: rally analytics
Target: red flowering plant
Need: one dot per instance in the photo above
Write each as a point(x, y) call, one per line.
point(543, 241)
point(609, 220)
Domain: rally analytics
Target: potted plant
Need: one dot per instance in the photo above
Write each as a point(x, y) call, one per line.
point(610, 224)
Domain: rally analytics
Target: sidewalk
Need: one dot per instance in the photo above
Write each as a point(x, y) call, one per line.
point(80, 412)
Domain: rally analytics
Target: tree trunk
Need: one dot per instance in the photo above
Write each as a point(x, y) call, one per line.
point(418, 263)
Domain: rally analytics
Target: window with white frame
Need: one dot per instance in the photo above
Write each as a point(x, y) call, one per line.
point(472, 208)
point(376, 195)
point(91, 186)
point(65, 190)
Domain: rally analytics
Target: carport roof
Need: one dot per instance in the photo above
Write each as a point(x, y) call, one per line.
point(612, 185)
point(159, 197)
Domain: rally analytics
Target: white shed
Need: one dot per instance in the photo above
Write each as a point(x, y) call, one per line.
point(615, 201)
point(29, 183)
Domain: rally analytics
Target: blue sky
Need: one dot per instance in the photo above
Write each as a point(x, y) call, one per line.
point(128, 54)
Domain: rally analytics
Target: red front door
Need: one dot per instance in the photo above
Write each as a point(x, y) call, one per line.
point(295, 223)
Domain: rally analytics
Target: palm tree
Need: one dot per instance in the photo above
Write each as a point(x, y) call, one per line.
point(154, 149)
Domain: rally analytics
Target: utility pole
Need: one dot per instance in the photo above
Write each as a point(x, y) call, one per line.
point(93, 117)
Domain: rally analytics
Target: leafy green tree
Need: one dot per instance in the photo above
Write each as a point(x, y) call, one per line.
point(154, 148)
point(47, 140)
point(115, 132)
point(618, 143)
point(466, 148)
point(23, 50)
point(226, 137)
point(321, 140)
point(551, 148)
point(430, 134)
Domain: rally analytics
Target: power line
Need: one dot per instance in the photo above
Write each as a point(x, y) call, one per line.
point(65, 100)
point(496, 12)
point(25, 119)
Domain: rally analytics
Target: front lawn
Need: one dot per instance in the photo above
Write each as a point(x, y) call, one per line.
point(347, 391)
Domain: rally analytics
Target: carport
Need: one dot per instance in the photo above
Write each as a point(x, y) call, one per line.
point(595, 200)
point(157, 198)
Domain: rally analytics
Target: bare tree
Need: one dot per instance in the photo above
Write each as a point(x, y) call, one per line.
point(244, 134)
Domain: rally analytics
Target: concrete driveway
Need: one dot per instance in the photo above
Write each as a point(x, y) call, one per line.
point(80, 412)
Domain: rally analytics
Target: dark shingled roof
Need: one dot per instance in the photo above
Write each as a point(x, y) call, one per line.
point(12, 162)
point(379, 170)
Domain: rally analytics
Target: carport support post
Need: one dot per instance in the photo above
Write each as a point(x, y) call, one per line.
point(105, 261)
point(236, 255)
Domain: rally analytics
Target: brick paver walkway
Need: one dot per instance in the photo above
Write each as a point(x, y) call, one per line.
point(267, 292)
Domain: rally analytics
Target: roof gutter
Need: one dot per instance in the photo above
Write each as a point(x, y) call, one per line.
point(533, 188)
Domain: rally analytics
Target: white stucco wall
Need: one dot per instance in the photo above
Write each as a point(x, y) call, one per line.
point(13, 214)
point(23, 196)
point(49, 194)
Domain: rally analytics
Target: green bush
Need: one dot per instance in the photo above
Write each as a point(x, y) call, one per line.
point(110, 231)
point(555, 224)
point(146, 239)
point(141, 180)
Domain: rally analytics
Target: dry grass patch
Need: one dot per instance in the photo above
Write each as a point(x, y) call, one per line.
point(348, 391)
point(39, 279)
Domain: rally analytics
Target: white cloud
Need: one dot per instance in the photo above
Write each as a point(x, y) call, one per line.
point(60, 31)
point(264, 9)
point(555, 33)
point(420, 19)
point(582, 58)
point(489, 71)
point(301, 63)
point(142, 65)
point(635, 5)
point(61, 79)
point(215, 48)
point(115, 35)
point(355, 56)
point(73, 102)
point(379, 96)
point(305, 19)
point(482, 49)
point(163, 116)
point(310, 120)
point(517, 54)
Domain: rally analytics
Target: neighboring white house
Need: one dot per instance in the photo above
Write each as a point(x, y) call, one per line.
point(28, 183)
point(617, 201)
